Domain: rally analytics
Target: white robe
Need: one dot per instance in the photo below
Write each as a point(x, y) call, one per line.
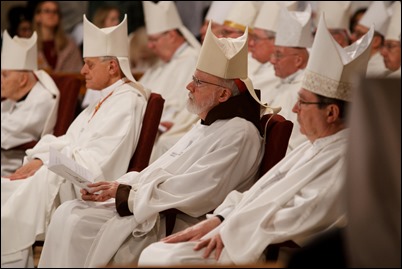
point(285, 96)
point(264, 79)
point(298, 198)
point(194, 176)
point(170, 80)
point(104, 144)
point(27, 120)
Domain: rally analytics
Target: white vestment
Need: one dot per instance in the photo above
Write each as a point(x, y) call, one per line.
point(103, 142)
point(27, 120)
point(170, 80)
point(264, 79)
point(376, 67)
point(285, 96)
point(298, 198)
point(194, 176)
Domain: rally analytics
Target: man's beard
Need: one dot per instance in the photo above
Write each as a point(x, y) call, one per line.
point(197, 109)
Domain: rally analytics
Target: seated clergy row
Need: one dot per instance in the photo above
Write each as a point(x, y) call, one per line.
point(296, 199)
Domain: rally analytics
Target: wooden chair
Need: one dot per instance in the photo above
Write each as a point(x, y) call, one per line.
point(278, 131)
point(69, 87)
point(149, 130)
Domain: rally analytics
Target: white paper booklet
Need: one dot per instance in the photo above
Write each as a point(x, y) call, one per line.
point(69, 169)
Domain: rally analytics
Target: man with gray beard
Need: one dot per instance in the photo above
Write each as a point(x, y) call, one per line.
point(222, 152)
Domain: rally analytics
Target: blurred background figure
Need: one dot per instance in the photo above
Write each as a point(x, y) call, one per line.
point(57, 51)
point(71, 12)
point(216, 13)
point(177, 50)
point(262, 44)
point(241, 15)
point(337, 18)
point(19, 22)
point(391, 51)
point(355, 18)
point(106, 16)
point(31, 100)
point(192, 14)
point(378, 15)
point(293, 39)
point(141, 56)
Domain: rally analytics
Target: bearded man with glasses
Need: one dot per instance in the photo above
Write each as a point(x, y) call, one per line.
point(298, 198)
point(222, 152)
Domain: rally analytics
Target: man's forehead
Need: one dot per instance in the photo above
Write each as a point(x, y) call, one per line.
point(91, 59)
point(305, 93)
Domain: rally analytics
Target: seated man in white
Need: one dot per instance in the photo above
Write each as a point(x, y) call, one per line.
point(391, 51)
point(31, 99)
point(290, 57)
point(220, 153)
point(262, 45)
point(102, 138)
point(300, 196)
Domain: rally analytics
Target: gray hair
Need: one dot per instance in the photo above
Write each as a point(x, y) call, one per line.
point(113, 58)
point(231, 85)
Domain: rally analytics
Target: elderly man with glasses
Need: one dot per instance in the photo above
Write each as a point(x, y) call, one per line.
point(391, 51)
point(299, 197)
point(102, 138)
point(289, 59)
point(261, 46)
point(220, 153)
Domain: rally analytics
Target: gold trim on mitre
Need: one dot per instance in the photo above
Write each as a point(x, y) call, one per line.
point(335, 77)
point(236, 26)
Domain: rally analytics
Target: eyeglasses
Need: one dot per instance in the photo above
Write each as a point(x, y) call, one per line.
point(198, 83)
point(391, 46)
point(301, 102)
point(155, 39)
point(280, 56)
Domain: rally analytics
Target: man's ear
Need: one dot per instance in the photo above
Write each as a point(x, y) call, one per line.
point(23, 79)
point(332, 113)
point(113, 67)
point(225, 95)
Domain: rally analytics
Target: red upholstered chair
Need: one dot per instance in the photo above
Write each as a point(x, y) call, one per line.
point(278, 131)
point(69, 87)
point(149, 130)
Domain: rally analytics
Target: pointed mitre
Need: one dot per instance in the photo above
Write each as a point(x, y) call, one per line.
point(394, 27)
point(335, 77)
point(294, 28)
point(241, 15)
point(110, 41)
point(163, 16)
point(267, 17)
point(218, 11)
point(378, 15)
point(227, 58)
point(337, 13)
point(19, 53)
